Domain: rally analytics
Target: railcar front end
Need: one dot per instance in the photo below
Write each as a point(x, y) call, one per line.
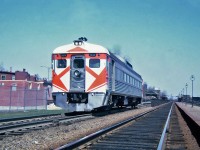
point(79, 76)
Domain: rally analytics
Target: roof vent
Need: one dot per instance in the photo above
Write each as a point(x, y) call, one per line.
point(129, 64)
point(80, 41)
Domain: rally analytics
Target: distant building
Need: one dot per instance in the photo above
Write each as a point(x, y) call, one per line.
point(17, 75)
point(197, 99)
point(20, 90)
point(158, 92)
point(151, 92)
point(144, 89)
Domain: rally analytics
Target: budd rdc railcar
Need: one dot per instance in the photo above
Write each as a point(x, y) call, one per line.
point(87, 77)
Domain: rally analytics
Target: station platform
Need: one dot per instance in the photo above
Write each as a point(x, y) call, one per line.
point(192, 112)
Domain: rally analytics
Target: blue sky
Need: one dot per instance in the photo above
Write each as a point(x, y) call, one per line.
point(160, 37)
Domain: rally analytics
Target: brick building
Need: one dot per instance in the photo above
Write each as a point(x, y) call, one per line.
point(17, 75)
point(21, 91)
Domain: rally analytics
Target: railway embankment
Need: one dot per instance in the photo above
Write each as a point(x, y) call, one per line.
point(192, 117)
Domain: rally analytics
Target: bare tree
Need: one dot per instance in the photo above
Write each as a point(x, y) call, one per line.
point(163, 95)
point(2, 67)
point(151, 89)
point(117, 49)
point(38, 78)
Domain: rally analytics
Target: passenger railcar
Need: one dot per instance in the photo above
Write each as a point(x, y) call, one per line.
point(86, 77)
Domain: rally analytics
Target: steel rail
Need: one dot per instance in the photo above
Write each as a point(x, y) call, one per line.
point(162, 139)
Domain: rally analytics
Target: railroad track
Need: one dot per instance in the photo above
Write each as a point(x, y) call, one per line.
point(2, 121)
point(23, 120)
point(24, 126)
point(145, 131)
point(19, 126)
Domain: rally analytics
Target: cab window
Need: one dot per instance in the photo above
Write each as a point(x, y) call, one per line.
point(94, 63)
point(61, 63)
point(78, 63)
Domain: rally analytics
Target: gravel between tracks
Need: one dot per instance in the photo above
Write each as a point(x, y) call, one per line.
point(54, 137)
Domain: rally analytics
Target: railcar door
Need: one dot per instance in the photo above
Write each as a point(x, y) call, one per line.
point(113, 75)
point(77, 74)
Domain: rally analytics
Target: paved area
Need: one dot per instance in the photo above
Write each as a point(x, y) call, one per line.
point(193, 112)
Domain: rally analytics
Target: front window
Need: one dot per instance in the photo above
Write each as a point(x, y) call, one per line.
point(61, 63)
point(94, 63)
point(78, 63)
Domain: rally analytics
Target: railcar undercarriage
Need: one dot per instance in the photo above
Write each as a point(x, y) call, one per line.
point(77, 98)
point(91, 101)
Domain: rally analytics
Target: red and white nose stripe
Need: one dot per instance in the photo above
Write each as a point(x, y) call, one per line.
point(100, 79)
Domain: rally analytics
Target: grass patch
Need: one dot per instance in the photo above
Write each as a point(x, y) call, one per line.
point(27, 113)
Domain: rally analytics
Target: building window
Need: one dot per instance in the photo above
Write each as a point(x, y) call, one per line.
point(94, 63)
point(38, 87)
point(13, 77)
point(30, 86)
point(61, 63)
point(3, 77)
point(1, 84)
point(14, 87)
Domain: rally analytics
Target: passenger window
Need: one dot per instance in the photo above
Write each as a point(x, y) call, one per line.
point(94, 63)
point(127, 79)
point(124, 77)
point(61, 63)
point(130, 81)
point(78, 63)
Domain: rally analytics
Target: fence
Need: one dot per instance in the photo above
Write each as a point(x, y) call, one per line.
point(14, 99)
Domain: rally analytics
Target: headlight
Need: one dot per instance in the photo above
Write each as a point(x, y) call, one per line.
point(77, 73)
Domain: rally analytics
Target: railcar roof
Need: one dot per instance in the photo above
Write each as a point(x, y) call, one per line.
point(123, 62)
point(84, 48)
